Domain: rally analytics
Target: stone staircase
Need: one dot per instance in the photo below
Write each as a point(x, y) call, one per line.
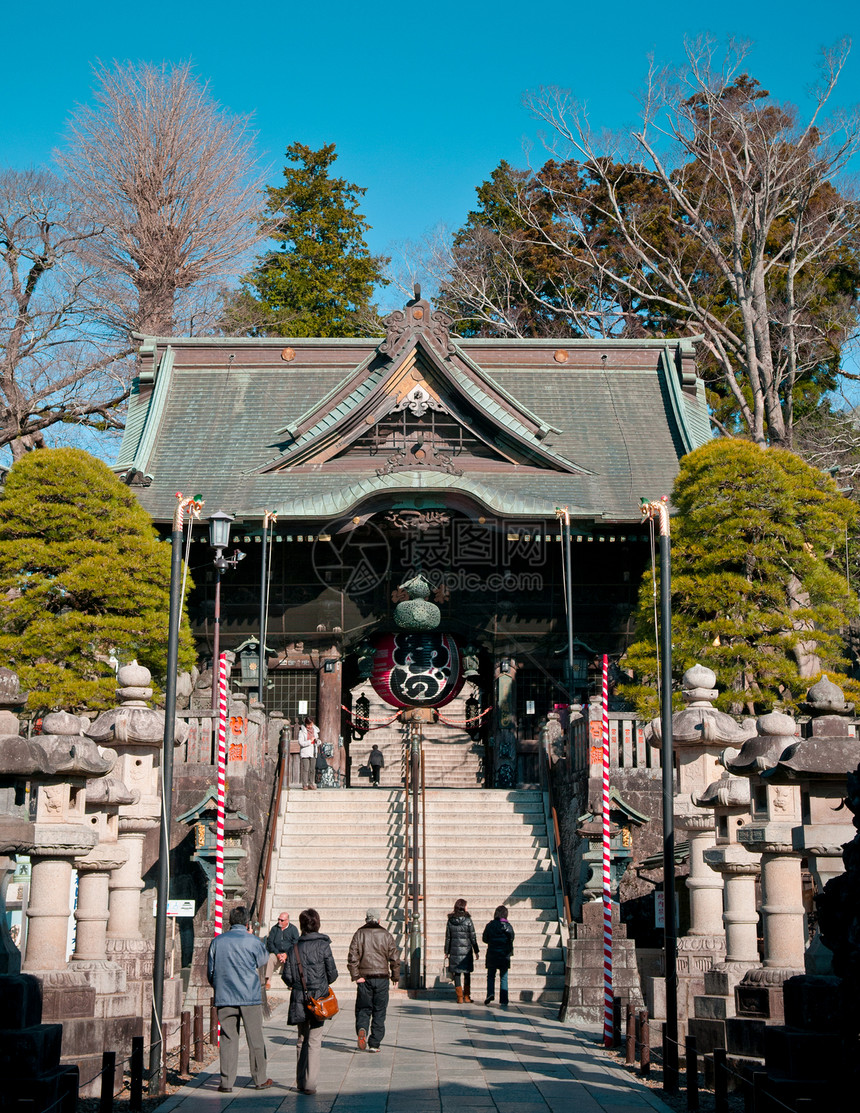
point(341, 852)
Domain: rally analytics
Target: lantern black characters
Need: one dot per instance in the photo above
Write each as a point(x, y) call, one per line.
point(417, 669)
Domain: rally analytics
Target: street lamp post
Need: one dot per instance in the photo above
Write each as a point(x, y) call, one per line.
point(659, 510)
point(191, 506)
point(219, 539)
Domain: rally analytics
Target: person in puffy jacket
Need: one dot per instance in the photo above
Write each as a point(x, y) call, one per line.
point(460, 943)
point(499, 937)
point(313, 951)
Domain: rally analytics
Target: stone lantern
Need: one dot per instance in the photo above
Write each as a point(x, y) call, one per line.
point(136, 731)
point(738, 867)
point(700, 734)
point(775, 813)
point(818, 765)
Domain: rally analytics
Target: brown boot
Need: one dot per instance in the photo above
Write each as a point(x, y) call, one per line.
point(467, 998)
point(458, 989)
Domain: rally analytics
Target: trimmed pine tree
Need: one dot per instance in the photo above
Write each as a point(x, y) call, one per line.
point(83, 578)
point(759, 592)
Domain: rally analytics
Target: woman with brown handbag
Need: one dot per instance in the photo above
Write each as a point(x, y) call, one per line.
point(309, 971)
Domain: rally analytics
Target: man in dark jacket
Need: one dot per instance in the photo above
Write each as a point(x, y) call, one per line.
point(499, 937)
point(373, 958)
point(233, 971)
point(278, 942)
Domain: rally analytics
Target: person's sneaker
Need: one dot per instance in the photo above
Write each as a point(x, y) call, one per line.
point(487, 1000)
point(265, 1085)
point(225, 1089)
point(362, 1039)
point(376, 1050)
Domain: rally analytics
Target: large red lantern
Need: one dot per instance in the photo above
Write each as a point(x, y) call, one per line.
point(422, 669)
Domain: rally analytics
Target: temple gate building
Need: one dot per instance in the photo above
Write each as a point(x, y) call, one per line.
point(424, 453)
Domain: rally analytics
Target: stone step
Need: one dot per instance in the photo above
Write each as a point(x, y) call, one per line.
point(394, 843)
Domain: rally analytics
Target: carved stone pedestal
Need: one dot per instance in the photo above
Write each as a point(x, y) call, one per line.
point(584, 976)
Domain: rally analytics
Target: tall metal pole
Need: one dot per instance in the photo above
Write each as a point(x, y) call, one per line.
point(563, 512)
point(660, 510)
point(175, 615)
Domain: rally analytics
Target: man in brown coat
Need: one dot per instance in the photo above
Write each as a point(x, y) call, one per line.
point(373, 958)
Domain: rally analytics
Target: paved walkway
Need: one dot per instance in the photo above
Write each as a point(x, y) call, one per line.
point(437, 1057)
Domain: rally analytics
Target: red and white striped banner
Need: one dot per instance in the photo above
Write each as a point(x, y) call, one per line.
point(607, 877)
point(222, 790)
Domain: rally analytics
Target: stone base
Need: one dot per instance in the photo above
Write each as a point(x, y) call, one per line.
point(745, 1037)
point(584, 973)
point(722, 978)
point(713, 1007)
point(709, 1033)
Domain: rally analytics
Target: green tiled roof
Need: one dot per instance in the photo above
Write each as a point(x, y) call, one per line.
point(212, 424)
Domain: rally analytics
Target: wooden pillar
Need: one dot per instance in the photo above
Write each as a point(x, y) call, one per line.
point(330, 696)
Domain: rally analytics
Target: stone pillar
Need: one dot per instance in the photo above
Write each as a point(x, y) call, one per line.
point(103, 800)
point(782, 907)
point(740, 869)
point(706, 887)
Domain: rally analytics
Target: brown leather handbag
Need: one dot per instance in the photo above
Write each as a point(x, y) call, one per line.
point(323, 1008)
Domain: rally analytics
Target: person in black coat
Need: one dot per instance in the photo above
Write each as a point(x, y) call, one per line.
point(316, 973)
point(499, 937)
point(460, 943)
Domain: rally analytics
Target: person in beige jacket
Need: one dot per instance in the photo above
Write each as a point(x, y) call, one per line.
point(373, 958)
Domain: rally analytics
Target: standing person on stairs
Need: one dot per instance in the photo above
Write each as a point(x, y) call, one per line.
point(460, 943)
point(499, 937)
point(373, 958)
point(307, 752)
point(376, 762)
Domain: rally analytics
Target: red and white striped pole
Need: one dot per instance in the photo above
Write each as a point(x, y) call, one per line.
point(608, 1010)
point(222, 791)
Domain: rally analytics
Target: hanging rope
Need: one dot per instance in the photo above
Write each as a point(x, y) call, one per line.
point(380, 722)
point(465, 725)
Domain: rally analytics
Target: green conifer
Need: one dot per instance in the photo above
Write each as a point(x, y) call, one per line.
point(758, 584)
point(320, 279)
point(82, 576)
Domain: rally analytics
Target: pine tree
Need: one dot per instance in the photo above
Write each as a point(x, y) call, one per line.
point(82, 576)
point(319, 281)
point(758, 587)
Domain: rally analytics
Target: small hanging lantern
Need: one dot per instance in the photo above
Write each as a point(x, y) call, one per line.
point(473, 722)
point(361, 717)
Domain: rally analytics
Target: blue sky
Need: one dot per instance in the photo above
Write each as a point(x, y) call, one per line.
point(422, 100)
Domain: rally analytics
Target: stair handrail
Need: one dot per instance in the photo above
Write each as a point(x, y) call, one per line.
point(406, 848)
point(264, 870)
point(554, 836)
point(423, 895)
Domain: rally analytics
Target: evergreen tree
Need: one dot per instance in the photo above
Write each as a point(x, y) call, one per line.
point(758, 587)
point(82, 576)
point(319, 280)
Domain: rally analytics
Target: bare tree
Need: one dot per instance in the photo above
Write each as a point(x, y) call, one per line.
point(55, 367)
point(169, 176)
point(718, 216)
